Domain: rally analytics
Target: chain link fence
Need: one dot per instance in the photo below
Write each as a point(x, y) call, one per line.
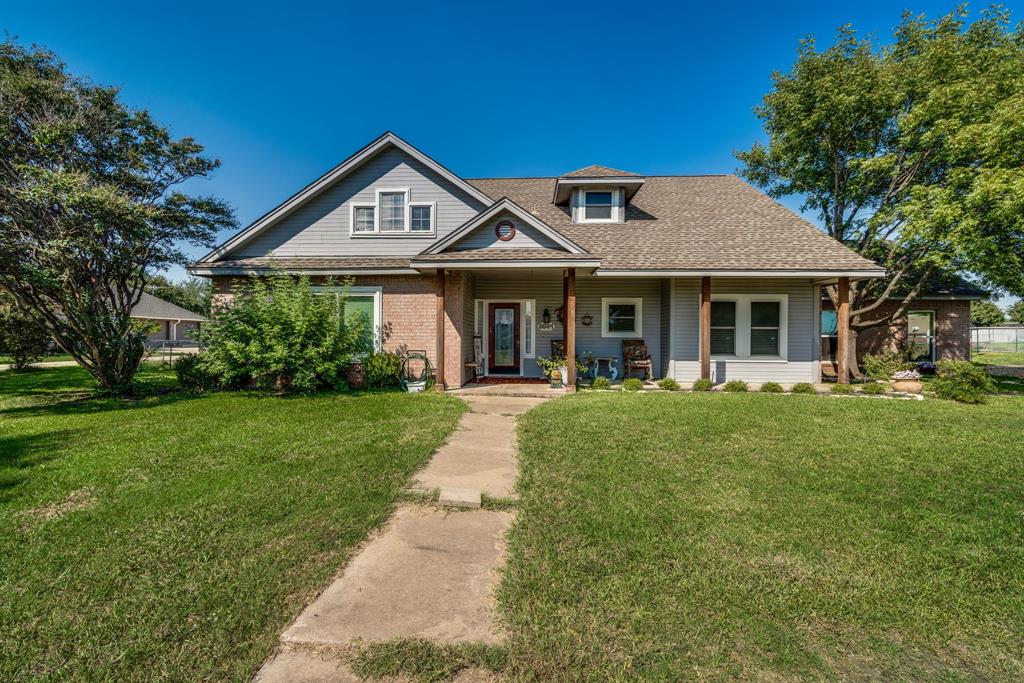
point(1003, 339)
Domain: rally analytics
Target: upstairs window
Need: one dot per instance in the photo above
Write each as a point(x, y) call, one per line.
point(597, 206)
point(422, 218)
point(392, 211)
point(362, 217)
point(393, 214)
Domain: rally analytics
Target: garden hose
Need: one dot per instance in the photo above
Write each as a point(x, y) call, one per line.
point(420, 382)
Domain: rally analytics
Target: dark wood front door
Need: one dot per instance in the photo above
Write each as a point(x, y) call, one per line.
point(503, 338)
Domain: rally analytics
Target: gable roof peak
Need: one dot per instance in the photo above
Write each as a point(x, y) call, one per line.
point(596, 171)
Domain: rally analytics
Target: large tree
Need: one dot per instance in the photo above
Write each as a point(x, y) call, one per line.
point(1016, 312)
point(193, 294)
point(911, 153)
point(986, 314)
point(89, 206)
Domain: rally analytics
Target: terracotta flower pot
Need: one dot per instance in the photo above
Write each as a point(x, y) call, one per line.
point(907, 386)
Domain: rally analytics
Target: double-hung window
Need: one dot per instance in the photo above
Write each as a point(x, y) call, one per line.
point(393, 213)
point(749, 326)
point(723, 328)
point(597, 206)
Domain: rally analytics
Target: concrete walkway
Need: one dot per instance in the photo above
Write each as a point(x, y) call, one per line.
point(431, 572)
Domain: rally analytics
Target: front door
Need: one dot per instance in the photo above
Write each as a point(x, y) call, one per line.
point(503, 339)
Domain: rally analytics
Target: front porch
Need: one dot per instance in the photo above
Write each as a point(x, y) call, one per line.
point(496, 322)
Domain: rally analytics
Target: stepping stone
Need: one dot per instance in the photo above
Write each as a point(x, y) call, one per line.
point(431, 574)
point(459, 498)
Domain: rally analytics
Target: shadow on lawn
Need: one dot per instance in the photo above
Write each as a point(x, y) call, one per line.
point(19, 453)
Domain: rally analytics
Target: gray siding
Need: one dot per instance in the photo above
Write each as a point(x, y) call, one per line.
point(801, 364)
point(321, 227)
point(526, 236)
point(546, 288)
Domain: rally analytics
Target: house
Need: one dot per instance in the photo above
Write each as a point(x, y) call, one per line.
point(716, 278)
point(167, 322)
point(935, 326)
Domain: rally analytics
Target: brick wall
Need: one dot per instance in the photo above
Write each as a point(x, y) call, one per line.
point(409, 304)
point(952, 329)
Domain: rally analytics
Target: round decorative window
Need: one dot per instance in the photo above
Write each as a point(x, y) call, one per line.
point(505, 230)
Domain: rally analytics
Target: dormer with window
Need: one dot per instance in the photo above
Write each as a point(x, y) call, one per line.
point(597, 194)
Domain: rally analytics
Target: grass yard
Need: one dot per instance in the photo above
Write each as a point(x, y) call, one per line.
point(48, 359)
point(173, 537)
point(680, 536)
point(991, 358)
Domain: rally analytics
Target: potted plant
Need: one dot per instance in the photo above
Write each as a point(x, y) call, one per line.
point(557, 369)
point(907, 381)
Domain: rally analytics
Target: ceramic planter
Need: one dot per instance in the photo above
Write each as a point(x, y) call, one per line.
point(907, 386)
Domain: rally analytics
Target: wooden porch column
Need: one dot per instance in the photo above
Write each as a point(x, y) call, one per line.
point(843, 331)
point(570, 326)
point(705, 328)
point(440, 329)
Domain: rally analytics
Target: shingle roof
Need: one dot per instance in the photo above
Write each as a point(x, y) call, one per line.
point(689, 223)
point(154, 308)
point(595, 171)
point(308, 263)
point(508, 254)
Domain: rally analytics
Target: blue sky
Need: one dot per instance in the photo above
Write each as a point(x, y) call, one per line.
point(281, 92)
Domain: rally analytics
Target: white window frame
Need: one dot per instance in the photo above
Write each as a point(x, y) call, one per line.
point(375, 205)
point(378, 312)
point(433, 213)
point(529, 332)
point(580, 203)
point(743, 302)
point(352, 218)
point(638, 302)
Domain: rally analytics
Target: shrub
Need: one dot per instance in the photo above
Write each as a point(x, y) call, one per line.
point(280, 334)
point(21, 337)
point(632, 384)
point(926, 368)
point(703, 385)
point(960, 380)
point(771, 388)
point(600, 382)
point(193, 374)
point(883, 365)
point(873, 388)
point(735, 386)
point(803, 388)
point(382, 370)
point(668, 384)
point(842, 388)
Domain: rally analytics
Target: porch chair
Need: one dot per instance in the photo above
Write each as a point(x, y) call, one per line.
point(636, 355)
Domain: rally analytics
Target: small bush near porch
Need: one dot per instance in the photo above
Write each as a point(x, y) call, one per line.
point(767, 537)
point(173, 537)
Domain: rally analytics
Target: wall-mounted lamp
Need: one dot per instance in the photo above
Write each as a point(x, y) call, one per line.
point(546, 317)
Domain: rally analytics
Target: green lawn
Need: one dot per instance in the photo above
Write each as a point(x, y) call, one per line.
point(672, 537)
point(48, 359)
point(173, 537)
point(1003, 358)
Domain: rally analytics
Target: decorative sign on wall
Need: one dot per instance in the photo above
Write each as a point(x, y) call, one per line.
point(545, 327)
point(587, 320)
point(505, 230)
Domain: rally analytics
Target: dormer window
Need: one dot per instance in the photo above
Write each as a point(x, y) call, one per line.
point(597, 205)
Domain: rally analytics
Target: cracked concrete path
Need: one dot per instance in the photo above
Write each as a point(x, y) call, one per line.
point(430, 572)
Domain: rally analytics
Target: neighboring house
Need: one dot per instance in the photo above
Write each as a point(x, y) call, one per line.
point(935, 326)
point(483, 269)
point(170, 322)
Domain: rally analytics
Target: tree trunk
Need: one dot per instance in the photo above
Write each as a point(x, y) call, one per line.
point(115, 368)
